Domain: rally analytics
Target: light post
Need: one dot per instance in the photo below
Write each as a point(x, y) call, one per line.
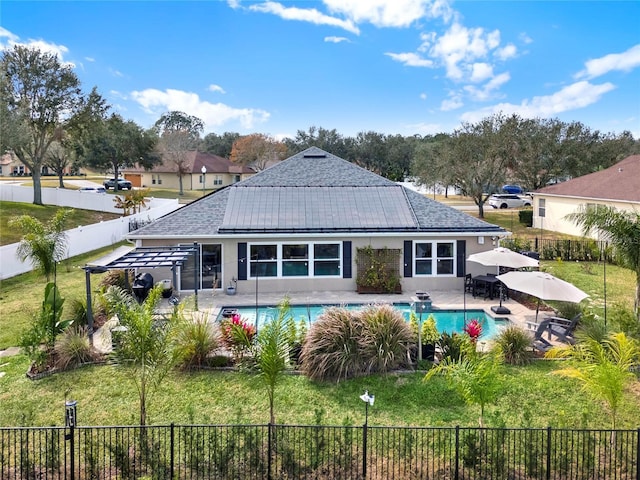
point(257, 275)
point(368, 400)
point(204, 177)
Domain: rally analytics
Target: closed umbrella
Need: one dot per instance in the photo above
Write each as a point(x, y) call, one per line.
point(503, 257)
point(544, 286)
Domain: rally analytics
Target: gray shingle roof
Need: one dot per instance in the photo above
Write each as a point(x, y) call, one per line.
point(313, 192)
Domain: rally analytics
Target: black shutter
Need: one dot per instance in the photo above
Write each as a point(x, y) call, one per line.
point(408, 258)
point(461, 257)
point(346, 259)
point(243, 261)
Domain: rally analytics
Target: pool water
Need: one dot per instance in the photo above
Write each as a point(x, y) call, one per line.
point(450, 321)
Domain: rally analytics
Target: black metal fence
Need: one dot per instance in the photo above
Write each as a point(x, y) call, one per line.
point(565, 249)
point(316, 452)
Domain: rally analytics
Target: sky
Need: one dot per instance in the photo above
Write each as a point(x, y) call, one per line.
point(390, 66)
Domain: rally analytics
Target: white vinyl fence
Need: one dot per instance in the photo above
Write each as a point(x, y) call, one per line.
point(84, 238)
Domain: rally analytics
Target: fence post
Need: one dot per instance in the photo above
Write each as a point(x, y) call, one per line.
point(269, 452)
point(457, 462)
point(70, 437)
point(548, 453)
point(364, 450)
point(638, 454)
point(172, 450)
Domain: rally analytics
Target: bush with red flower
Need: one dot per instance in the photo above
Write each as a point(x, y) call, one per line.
point(473, 329)
point(237, 335)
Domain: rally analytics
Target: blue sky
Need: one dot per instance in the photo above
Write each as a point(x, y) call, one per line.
point(394, 67)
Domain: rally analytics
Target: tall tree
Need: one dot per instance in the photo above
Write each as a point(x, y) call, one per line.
point(220, 145)
point(622, 229)
point(58, 158)
point(257, 151)
point(179, 134)
point(44, 244)
point(115, 143)
point(39, 94)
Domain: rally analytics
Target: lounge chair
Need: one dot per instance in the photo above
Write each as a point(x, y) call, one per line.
point(564, 329)
point(538, 342)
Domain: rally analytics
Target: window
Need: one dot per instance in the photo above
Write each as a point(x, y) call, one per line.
point(153, 179)
point(236, 178)
point(201, 178)
point(434, 258)
point(217, 180)
point(294, 260)
point(542, 210)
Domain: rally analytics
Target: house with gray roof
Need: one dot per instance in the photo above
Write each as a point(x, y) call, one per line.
point(617, 186)
point(316, 222)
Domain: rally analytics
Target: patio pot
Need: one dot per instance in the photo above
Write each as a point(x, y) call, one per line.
point(429, 352)
point(231, 290)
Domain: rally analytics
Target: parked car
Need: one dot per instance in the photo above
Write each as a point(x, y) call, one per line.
point(122, 184)
point(512, 189)
point(95, 189)
point(510, 201)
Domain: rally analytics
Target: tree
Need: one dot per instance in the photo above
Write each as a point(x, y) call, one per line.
point(179, 134)
point(220, 145)
point(43, 244)
point(622, 229)
point(115, 143)
point(146, 347)
point(58, 158)
point(604, 369)
point(257, 151)
point(38, 95)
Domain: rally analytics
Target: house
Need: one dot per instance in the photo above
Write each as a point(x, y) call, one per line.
point(220, 172)
point(617, 186)
point(11, 166)
point(311, 223)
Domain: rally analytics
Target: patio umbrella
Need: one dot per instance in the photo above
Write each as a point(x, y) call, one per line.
point(503, 257)
point(542, 285)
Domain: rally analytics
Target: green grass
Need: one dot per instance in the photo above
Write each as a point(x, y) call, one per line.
point(21, 296)
point(531, 396)
point(44, 213)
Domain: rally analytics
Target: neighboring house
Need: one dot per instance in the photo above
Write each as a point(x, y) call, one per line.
point(617, 186)
point(11, 166)
point(300, 226)
point(220, 172)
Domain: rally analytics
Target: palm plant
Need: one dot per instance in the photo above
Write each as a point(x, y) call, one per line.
point(43, 244)
point(271, 353)
point(622, 229)
point(603, 368)
point(146, 350)
point(476, 377)
point(195, 341)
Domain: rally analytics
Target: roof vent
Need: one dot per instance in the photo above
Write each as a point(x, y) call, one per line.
point(620, 169)
point(314, 155)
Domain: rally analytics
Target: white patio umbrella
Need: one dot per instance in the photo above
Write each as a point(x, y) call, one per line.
point(503, 257)
point(542, 285)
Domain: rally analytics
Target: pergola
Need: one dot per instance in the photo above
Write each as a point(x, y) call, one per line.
point(128, 258)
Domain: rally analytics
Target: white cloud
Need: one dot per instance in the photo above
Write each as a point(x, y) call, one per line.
point(625, 61)
point(216, 88)
point(481, 71)
point(461, 46)
point(484, 93)
point(506, 52)
point(572, 97)
point(90, 59)
point(116, 73)
point(11, 38)
point(423, 96)
point(524, 38)
point(425, 128)
point(385, 13)
point(310, 15)
point(46, 47)
point(410, 59)
point(214, 115)
point(452, 103)
point(335, 39)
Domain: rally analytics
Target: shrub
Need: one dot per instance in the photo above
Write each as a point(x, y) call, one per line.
point(332, 349)
point(514, 345)
point(77, 311)
point(342, 344)
point(237, 335)
point(116, 278)
point(452, 346)
point(73, 348)
point(526, 217)
point(386, 338)
point(195, 341)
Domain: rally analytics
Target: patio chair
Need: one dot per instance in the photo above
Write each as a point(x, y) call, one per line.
point(468, 283)
point(538, 342)
point(564, 329)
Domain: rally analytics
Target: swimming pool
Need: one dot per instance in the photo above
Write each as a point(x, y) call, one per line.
point(449, 321)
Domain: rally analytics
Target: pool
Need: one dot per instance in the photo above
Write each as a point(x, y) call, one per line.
point(450, 321)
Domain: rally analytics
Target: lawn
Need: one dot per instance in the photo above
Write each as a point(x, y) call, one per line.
point(44, 213)
point(531, 396)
